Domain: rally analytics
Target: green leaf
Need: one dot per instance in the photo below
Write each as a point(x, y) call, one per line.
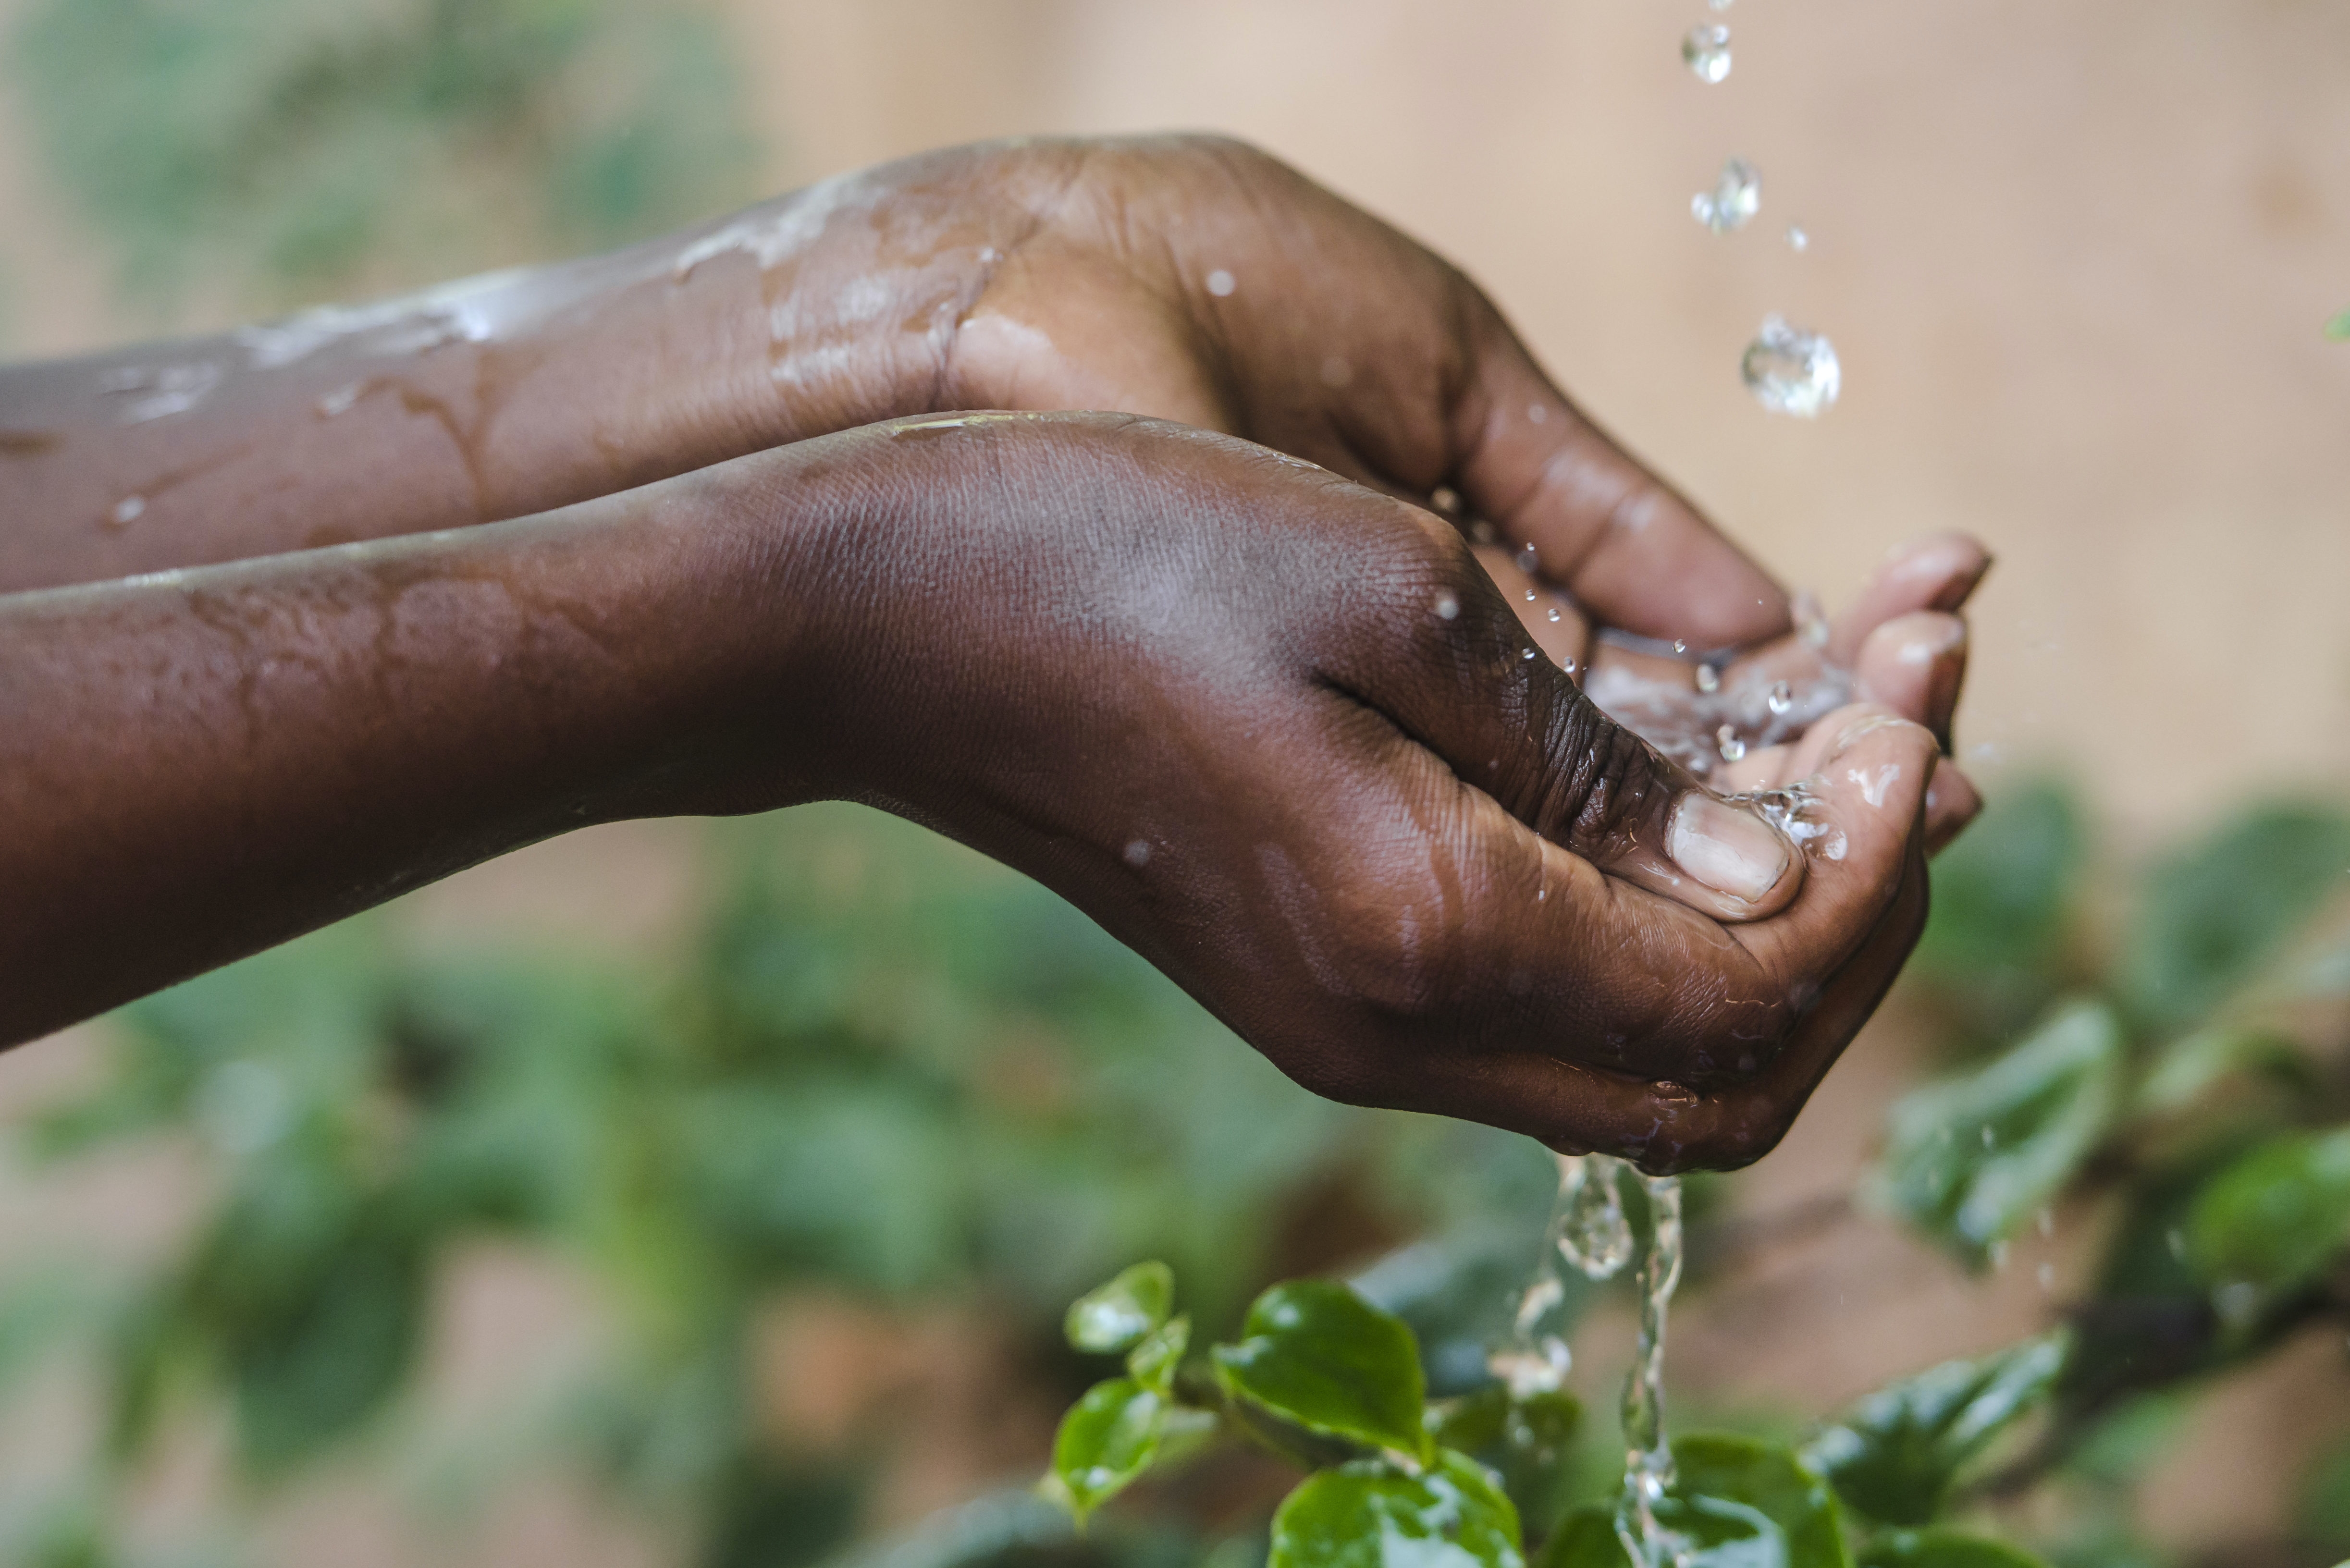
point(2001, 894)
point(1943, 1548)
point(1740, 1502)
point(1115, 1317)
point(1315, 1352)
point(2190, 1069)
point(1895, 1456)
point(2272, 1222)
point(1369, 1514)
point(1970, 1158)
point(1107, 1439)
point(2211, 914)
point(1152, 1362)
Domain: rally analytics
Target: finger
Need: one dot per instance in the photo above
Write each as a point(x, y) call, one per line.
point(1839, 948)
point(1952, 803)
point(1937, 573)
point(1914, 664)
point(1549, 617)
point(1635, 553)
point(1511, 723)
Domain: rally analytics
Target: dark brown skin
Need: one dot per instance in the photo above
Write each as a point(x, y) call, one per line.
point(1209, 694)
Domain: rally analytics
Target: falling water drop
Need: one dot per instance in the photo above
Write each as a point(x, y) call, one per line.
point(1732, 748)
point(1789, 370)
point(1709, 679)
point(1592, 1232)
point(1797, 239)
point(1781, 698)
point(1736, 196)
point(1706, 51)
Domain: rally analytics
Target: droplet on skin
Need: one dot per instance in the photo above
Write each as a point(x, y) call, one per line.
point(1554, 616)
point(1789, 370)
point(1532, 596)
point(1736, 197)
point(1709, 679)
point(1705, 49)
point(1528, 653)
point(1733, 749)
point(1446, 608)
point(1673, 1095)
point(128, 510)
point(1528, 558)
point(1220, 283)
point(1137, 854)
point(1781, 698)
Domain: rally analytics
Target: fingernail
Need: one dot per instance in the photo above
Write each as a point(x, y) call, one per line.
point(1726, 849)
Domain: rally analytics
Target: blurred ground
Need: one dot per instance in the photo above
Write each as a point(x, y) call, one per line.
point(2075, 259)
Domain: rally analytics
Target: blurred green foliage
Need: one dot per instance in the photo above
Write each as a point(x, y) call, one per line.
point(878, 1062)
point(283, 147)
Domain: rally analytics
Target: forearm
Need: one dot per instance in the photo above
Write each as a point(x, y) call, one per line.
point(197, 765)
point(506, 395)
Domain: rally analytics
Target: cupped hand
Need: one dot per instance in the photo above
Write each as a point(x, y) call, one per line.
point(1280, 733)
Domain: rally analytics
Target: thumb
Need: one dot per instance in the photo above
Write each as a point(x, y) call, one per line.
point(1511, 723)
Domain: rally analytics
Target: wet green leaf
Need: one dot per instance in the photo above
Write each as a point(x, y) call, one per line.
point(1943, 1548)
point(1152, 1362)
point(2272, 1222)
point(1108, 1437)
point(1370, 1514)
point(1971, 1158)
point(1741, 1502)
point(1894, 1455)
point(1116, 1316)
point(2211, 914)
point(1315, 1352)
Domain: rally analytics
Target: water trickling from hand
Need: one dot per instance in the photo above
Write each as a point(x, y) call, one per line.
point(1647, 1457)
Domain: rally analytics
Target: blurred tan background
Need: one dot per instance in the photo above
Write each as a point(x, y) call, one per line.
point(2075, 259)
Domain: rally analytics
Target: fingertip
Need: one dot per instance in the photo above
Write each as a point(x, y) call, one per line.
point(1952, 803)
point(1938, 572)
point(1914, 664)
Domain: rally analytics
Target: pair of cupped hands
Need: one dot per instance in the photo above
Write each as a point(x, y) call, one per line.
point(1271, 663)
point(1243, 686)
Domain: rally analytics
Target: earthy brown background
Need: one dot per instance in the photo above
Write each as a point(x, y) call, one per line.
point(2075, 257)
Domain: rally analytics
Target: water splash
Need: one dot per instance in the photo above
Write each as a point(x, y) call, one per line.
point(1791, 370)
point(1686, 724)
point(1589, 1230)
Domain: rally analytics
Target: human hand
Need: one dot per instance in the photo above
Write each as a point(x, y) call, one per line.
point(1279, 734)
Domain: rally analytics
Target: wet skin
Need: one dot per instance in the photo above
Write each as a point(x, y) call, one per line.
point(1209, 694)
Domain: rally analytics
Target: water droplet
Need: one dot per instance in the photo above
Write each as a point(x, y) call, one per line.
point(1680, 647)
point(1220, 283)
point(1554, 616)
point(1527, 653)
point(1789, 370)
point(1732, 748)
point(1528, 558)
point(126, 511)
point(1531, 595)
point(1706, 51)
point(1709, 679)
point(1781, 698)
point(1591, 1233)
point(1736, 196)
point(1810, 621)
point(1137, 854)
point(1447, 607)
point(1444, 499)
point(1797, 239)
point(1673, 1095)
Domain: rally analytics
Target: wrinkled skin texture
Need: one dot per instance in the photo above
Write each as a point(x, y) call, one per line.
point(1202, 690)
